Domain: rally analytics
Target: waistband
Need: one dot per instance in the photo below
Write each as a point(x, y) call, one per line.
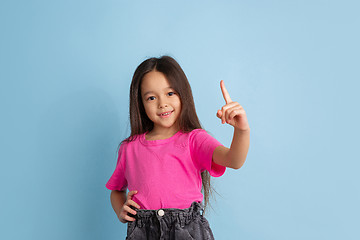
point(195, 208)
point(183, 215)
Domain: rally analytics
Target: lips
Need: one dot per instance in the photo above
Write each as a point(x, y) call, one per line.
point(161, 114)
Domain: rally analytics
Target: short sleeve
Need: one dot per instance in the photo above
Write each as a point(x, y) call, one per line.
point(202, 146)
point(117, 180)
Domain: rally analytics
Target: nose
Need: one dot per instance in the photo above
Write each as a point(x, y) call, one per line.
point(162, 103)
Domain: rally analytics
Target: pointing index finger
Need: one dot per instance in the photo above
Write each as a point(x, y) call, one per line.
point(225, 92)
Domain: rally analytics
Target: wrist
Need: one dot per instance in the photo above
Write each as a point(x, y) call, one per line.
point(246, 130)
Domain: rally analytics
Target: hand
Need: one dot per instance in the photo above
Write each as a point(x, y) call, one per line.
point(126, 208)
point(232, 112)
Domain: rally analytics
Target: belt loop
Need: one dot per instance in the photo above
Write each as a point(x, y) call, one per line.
point(182, 220)
point(139, 222)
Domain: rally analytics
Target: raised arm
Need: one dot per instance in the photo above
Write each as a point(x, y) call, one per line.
point(233, 114)
point(235, 156)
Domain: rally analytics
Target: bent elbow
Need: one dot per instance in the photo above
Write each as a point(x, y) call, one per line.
point(237, 167)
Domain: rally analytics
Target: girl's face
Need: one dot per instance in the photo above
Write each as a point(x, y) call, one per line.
point(159, 97)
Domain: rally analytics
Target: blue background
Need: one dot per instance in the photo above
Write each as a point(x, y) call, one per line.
point(66, 68)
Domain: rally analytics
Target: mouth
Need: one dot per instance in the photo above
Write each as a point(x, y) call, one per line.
point(166, 114)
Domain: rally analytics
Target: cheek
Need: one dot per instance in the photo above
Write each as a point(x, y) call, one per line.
point(178, 103)
point(147, 109)
point(151, 110)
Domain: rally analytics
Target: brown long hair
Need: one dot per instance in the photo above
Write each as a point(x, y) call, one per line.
point(188, 119)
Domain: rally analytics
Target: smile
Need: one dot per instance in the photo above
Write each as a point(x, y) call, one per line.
point(166, 115)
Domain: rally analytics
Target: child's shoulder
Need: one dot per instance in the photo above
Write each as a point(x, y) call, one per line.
point(193, 132)
point(196, 130)
point(130, 141)
point(200, 135)
point(199, 131)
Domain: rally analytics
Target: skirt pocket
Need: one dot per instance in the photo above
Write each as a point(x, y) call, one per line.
point(182, 233)
point(133, 232)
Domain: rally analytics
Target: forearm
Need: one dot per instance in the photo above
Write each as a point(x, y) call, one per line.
point(117, 199)
point(239, 148)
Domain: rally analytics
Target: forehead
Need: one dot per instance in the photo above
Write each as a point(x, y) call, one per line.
point(154, 82)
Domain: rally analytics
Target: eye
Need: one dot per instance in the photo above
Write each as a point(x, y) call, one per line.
point(149, 97)
point(172, 93)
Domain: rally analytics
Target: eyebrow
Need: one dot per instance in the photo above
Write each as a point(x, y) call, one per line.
point(152, 91)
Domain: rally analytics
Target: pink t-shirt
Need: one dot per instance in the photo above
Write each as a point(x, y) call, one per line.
point(166, 172)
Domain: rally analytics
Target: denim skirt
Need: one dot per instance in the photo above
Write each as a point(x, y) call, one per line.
point(169, 224)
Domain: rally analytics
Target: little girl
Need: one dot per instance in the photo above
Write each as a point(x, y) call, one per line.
point(168, 158)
